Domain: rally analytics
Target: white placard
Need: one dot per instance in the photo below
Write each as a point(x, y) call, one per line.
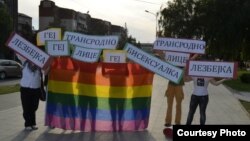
point(90, 41)
point(212, 69)
point(28, 50)
point(154, 64)
point(86, 54)
point(176, 58)
point(180, 45)
point(49, 34)
point(57, 48)
point(114, 56)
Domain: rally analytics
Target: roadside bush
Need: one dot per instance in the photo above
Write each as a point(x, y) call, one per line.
point(245, 78)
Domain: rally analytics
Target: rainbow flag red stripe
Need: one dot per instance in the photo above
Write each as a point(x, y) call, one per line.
point(98, 96)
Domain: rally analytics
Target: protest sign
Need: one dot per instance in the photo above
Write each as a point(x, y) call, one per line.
point(114, 56)
point(154, 64)
point(86, 54)
point(180, 45)
point(28, 50)
point(176, 58)
point(212, 69)
point(57, 48)
point(90, 41)
point(49, 34)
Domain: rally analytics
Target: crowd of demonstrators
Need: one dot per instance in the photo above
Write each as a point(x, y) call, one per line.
point(31, 83)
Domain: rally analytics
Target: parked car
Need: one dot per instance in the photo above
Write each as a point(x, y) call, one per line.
point(10, 68)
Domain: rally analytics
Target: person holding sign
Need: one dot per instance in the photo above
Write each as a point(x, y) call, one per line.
point(175, 91)
point(200, 96)
point(30, 89)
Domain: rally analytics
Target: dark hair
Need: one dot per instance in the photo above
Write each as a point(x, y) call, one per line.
point(204, 57)
point(31, 66)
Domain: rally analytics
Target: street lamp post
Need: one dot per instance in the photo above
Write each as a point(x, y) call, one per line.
point(156, 22)
point(156, 52)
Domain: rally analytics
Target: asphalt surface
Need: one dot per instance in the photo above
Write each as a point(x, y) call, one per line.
point(223, 109)
point(9, 81)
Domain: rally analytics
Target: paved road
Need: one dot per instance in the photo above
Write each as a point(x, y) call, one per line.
point(9, 81)
point(12, 100)
point(8, 101)
point(223, 108)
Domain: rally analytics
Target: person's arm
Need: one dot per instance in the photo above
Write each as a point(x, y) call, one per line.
point(216, 83)
point(160, 54)
point(22, 59)
point(187, 78)
point(45, 71)
point(194, 57)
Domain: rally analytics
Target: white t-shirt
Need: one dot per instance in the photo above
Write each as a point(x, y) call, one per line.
point(200, 85)
point(30, 79)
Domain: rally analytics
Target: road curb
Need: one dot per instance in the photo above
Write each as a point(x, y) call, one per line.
point(244, 96)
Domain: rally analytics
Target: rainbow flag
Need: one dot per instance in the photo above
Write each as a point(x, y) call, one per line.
point(98, 96)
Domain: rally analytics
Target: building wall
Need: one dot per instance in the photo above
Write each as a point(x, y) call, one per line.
point(13, 10)
point(69, 24)
point(24, 21)
point(83, 22)
point(47, 12)
point(44, 22)
point(74, 21)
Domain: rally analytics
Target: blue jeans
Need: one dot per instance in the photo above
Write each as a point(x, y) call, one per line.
point(202, 101)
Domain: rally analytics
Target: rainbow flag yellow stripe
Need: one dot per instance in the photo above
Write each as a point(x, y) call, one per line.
point(80, 89)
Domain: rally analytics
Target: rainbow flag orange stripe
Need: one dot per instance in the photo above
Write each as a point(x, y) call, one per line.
point(98, 96)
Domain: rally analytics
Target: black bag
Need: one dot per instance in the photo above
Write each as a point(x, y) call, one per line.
point(43, 94)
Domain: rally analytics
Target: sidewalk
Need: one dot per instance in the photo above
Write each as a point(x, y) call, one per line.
point(223, 108)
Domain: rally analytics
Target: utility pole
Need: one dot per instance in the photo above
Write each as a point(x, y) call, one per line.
point(156, 22)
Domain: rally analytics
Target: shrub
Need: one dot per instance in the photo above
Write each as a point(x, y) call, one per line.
point(245, 78)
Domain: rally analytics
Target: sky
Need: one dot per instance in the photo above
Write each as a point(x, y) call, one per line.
point(140, 24)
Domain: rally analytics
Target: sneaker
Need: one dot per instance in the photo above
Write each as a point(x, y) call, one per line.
point(51, 127)
point(28, 128)
point(167, 125)
point(34, 127)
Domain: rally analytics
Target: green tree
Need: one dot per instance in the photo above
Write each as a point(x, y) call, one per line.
point(133, 41)
point(6, 28)
point(223, 24)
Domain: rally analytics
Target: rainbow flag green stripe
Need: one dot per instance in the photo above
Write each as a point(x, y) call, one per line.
point(98, 103)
